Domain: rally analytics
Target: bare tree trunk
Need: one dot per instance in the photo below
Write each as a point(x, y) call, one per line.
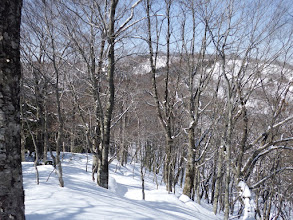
point(36, 152)
point(168, 110)
point(72, 135)
point(195, 68)
point(197, 184)
point(228, 137)
point(60, 118)
point(218, 179)
point(45, 133)
point(142, 174)
point(59, 111)
point(168, 165)
point(11, 186)
point(257, 208)
point(142, 181)
point(179, 171)
point(46, 138)
point(22, 134)
point(164, 114)
point(123, 151)
point(103, 169)
point(267, 214)
point(59, 141)
point(189, 176)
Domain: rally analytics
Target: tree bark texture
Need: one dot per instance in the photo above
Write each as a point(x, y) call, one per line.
point(103, 178)
point(169, 164)
point(60, 127)
point(217, 184)
point(11, 184)
point(189, 175)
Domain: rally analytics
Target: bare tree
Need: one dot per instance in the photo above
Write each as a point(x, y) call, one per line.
point(198, 73)
point(100, 67)
point(240, 69)
point(165, 106)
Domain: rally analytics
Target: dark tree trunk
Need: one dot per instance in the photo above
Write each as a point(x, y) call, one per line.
point(11, 187)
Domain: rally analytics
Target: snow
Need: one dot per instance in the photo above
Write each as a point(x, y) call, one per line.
point(145, 67)
point(81, 198)
point(245, 194)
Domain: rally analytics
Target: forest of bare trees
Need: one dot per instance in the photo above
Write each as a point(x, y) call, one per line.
point(200, 91)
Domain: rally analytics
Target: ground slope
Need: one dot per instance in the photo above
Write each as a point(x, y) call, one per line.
point(82, 199)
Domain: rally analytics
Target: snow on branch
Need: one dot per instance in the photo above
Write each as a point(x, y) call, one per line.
point(123, 27)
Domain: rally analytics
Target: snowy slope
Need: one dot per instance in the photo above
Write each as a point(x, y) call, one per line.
point(81, 198)
point(144, 67)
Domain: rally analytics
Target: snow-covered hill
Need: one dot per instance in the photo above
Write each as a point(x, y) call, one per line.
point(82, 199)
point(144, 67)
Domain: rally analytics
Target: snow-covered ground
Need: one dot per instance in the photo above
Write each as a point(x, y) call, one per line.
point(81, 198)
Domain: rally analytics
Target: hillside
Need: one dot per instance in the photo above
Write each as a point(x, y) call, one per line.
point(81, 198)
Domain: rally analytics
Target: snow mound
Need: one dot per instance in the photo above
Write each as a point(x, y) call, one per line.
point(203, 210)
point(112, 185)
point(184, 198)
